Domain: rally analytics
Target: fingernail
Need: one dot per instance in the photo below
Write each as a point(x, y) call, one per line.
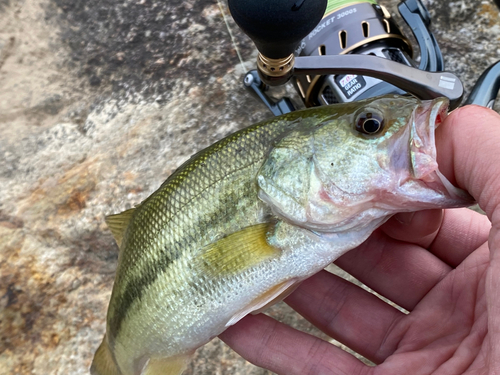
point(404, 217)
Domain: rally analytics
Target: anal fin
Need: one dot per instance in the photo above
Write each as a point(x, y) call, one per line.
point(167, 366)
point(103, 363)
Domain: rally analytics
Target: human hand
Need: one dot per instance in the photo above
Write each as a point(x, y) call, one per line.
point(442, 266)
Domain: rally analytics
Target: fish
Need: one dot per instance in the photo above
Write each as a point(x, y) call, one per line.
point(238, 226)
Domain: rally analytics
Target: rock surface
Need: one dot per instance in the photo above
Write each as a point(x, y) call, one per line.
point(100, 100)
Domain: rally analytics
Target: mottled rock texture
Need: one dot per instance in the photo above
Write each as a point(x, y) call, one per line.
point(100, 100)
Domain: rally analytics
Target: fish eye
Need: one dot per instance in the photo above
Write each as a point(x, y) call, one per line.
point(369, 123)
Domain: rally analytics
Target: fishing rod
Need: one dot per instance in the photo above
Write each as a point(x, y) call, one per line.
point(338, 51)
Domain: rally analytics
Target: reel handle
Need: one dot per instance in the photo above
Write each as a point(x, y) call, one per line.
point(277, 26)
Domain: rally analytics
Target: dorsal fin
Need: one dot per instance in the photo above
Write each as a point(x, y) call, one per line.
point(118, 224)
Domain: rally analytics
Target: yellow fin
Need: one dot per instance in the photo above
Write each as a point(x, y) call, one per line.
point(103, 363)
point(269, 298)
point(238, 251)
point(118, 224)
point(290, 288)
point(167, 366)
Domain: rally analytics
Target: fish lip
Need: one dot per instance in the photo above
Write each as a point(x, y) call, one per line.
point(424, 167)
point(425, 120)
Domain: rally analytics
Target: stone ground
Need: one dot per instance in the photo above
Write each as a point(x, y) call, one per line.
point(100, 100)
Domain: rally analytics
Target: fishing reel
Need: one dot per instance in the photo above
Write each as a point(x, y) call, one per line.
point(338, 51)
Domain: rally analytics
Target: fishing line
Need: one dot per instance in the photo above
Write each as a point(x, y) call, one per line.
point(231, 35)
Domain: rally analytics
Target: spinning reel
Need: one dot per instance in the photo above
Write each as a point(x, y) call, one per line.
point(337, 51)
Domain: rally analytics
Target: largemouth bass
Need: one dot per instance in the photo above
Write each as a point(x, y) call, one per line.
point(239, 225)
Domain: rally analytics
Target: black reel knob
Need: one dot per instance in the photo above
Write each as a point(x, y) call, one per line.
point(277, 27)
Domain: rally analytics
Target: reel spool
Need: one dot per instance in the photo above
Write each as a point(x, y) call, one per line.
point(352, 27)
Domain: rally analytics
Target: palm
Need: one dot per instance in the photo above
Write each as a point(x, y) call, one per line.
point(447, 329)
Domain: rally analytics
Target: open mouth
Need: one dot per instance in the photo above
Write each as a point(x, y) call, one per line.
point(427, 117)
point(439, 112)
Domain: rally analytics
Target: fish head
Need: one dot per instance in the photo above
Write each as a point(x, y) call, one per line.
point(354, 165)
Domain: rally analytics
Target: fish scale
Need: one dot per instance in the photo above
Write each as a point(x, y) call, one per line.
point(183, 187)
point(240, 224)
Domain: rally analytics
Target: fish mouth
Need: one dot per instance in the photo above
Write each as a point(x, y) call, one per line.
point(425, 120)
point(423, 154)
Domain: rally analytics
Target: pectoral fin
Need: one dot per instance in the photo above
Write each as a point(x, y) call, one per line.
point(238, 251)
point(266, 300)
point(167, 366)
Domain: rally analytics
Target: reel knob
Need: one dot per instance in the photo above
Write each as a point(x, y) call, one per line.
point(277, 27)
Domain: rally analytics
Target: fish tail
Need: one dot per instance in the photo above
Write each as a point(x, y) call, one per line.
point(103, 363)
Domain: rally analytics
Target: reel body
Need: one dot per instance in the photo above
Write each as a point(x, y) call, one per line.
point(352, 27)
point(338, 51)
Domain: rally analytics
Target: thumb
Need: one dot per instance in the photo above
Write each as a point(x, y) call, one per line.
point(468, 154)
point(468, 146)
